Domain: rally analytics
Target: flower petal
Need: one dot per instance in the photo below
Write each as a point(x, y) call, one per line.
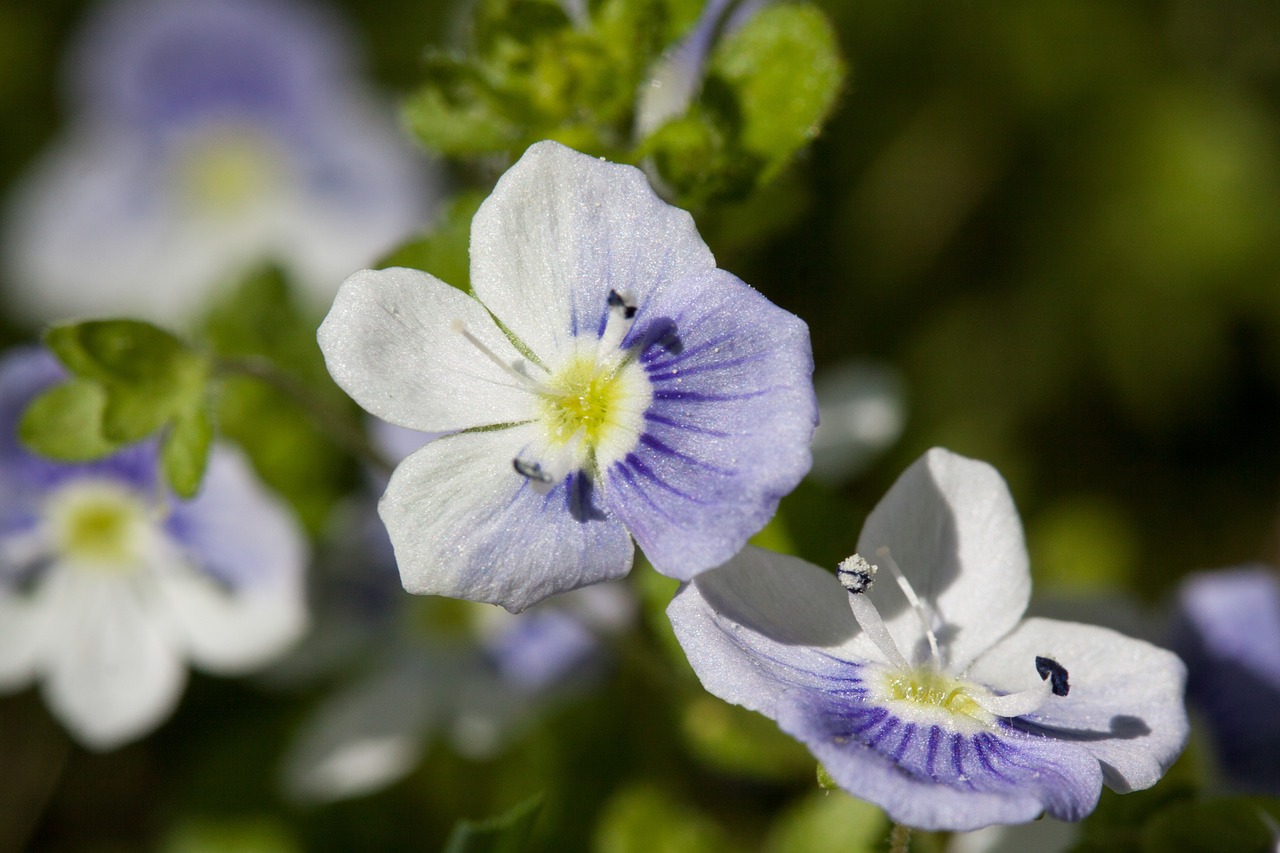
point(115, 672)
point(26, 627)
point(929, 777)
point(950, 524)
point(389, 342)
point(1125, 700)
point(761, 624)
point(364, 738)
point(727, 434)
point(464, 524)
point(560, 230)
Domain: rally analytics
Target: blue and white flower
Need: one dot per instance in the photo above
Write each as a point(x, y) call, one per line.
point(1227, 629)
point(108, 585)
point(605, 378)
point(208, 136)
point(926, 692)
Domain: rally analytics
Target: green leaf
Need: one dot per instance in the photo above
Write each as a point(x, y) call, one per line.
point(65, 423)
point(733, 739)
point(444, 251)
point(147, 374)
point(822, 822)
point(184, 455)
point(644, 819)
point(456, 112)
point(504, 833)
point(785, 68)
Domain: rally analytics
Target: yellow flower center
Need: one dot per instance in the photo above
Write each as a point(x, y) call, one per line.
point(925, 692)
point(600, 403)
point(100, 526)
point(221, 173)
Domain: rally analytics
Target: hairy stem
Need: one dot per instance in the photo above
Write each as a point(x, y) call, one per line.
point(900, 839)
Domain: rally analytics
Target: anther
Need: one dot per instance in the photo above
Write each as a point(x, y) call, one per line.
point(856, 574)
point(1053, 672)
point(617, 301)
point(531, 471)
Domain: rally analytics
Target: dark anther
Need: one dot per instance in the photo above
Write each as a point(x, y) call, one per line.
point(615, 300)
point(1055, 672)
point(855, 574)
point(530, 470)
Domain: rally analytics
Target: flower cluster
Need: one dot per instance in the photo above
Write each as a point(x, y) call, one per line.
point(108, 585)
point(207, 136)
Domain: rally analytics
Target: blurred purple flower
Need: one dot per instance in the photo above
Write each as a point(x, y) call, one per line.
point(1227, 629)
point(208, 136)
point(108, 585)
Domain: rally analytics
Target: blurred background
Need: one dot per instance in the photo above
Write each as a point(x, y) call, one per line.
point(1044, 234)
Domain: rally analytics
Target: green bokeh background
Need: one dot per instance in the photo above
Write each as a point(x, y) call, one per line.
point(1059, 219)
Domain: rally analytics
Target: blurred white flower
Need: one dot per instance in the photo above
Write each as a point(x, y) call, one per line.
point(208, 136)
point(861, 412)
point(108, 585)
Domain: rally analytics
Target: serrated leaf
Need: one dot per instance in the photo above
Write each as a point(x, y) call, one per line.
point(65, 423)
point(785, 67)
point(184, 454)
point(505, 833)
point(444, 251)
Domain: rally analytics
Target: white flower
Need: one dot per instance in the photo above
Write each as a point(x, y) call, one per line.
point(108, 586)
point(946, 708)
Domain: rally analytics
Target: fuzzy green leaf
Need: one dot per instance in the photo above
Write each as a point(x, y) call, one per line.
point(65, 423)
point(184, 455)
point(505, 833)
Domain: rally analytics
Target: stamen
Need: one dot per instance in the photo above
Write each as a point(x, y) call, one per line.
point(855, 575)
point(517, 369)
point(1055, 672)
point(1053, 682)
point(622, 314)
point(914, 600)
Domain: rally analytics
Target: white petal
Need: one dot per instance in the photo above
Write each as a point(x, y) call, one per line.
point(464, 524)
point(115, 673)
point(951, 525)
point(560, 230)
point(762, 623)
point(231, 631)
point(25, 631)
point(1125, 700)
point(390, 342)
point(362, 739)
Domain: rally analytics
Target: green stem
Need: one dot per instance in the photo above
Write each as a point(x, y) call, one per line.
point(331, 420)
point(900, 839)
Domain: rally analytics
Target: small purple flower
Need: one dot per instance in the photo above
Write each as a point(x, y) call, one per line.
point(108, 585)
point(605, 378)
point(944, 707)
point(1228, 631)
point(208, 136)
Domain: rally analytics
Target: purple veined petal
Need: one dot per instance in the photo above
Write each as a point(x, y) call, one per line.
point(540, 647)
point(390, 342)
point(560, 230)
point(950, 524)
point(932, 777)
point(1227, 629)
point(1125, 701)
point(156, 63)
point(464, 524)
point(765, 623)
point(674, 79)
point(115, 671)
point(727, 433)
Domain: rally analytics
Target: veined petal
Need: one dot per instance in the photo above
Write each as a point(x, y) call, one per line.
point(1125, 700)
point(115, 672)
point(390, 342)
point(560, 230)
point(727, 433)
point(464, 524)
point(764, 623)
point(933, 778)
point(950, 524)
